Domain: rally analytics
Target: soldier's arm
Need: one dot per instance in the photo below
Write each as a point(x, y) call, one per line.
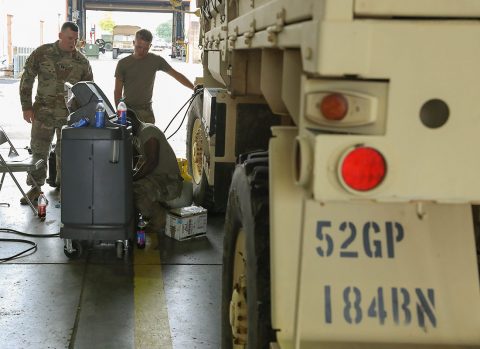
point(117, 93)
point(152, 150)
point(180, 78)
point(88, 75)
point(26, 85)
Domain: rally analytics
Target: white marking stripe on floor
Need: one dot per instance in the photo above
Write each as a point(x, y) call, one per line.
point(152, 329)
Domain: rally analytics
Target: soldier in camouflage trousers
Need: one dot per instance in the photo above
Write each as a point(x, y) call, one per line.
point(53, 64)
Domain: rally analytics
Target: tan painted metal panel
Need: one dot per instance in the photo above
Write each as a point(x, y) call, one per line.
point(437, 62)
point(418, 8)
point(285, 232)
point(406, 280)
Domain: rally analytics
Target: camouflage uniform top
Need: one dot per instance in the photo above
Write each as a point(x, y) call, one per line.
point(167, 161)
point(53, 67)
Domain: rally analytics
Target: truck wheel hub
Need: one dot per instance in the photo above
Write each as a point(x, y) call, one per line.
point(197, 151)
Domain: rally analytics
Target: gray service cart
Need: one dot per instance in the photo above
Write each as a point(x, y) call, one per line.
point(96, 188)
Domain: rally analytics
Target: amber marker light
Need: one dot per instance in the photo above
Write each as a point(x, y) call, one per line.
point(363, 169)
point(334, 106)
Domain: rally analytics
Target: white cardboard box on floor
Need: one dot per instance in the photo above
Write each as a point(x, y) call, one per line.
point(186, 222)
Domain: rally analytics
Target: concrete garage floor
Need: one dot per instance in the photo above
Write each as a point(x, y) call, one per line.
point(166, 296)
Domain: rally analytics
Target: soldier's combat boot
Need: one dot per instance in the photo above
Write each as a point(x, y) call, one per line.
point(32, 194)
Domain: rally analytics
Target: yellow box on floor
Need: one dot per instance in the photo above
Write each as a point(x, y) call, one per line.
point(186, 222)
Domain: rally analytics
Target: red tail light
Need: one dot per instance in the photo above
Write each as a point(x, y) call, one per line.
point(363, 169)
point(334, 106)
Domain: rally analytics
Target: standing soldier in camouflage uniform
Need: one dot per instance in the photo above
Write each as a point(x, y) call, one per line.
point(53, 64)
point(157, 178)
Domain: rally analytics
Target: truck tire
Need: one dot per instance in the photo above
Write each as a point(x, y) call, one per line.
point(115, 53)
point(246, 312)
point(100, 43)
point(197, 147)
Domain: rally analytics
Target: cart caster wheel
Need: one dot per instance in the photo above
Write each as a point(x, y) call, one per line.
point(77, 250)
point(120, 249)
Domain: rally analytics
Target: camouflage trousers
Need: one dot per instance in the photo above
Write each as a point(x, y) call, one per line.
point(41, 137)
point(151, 194)
point(144, 114)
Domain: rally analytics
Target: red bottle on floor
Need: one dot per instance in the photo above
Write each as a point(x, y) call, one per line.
point(42, 206)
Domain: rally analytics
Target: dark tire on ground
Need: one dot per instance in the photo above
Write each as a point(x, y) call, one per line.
point(78, 247)
point(100, 43)
point(248, 215)
point(202, 191)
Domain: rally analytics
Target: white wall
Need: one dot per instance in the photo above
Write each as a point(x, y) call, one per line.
point(3, 30)
point(27, 15)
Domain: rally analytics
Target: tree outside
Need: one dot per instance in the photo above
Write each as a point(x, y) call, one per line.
point(107, 24)
point(164, 31)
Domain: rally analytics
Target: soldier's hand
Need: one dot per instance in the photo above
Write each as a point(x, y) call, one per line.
point(28, 115)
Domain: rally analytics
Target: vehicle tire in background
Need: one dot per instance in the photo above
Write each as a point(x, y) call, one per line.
point(100, 43)
point(197, 148)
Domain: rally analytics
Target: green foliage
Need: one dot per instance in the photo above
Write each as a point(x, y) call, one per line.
point(176, 3)
point(164, 31)
point(107, 24)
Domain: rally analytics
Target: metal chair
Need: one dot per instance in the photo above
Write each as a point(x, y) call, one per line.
point(14, 162)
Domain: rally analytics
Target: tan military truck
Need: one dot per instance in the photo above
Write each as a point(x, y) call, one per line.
point(351, 129)
point(123, 36)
